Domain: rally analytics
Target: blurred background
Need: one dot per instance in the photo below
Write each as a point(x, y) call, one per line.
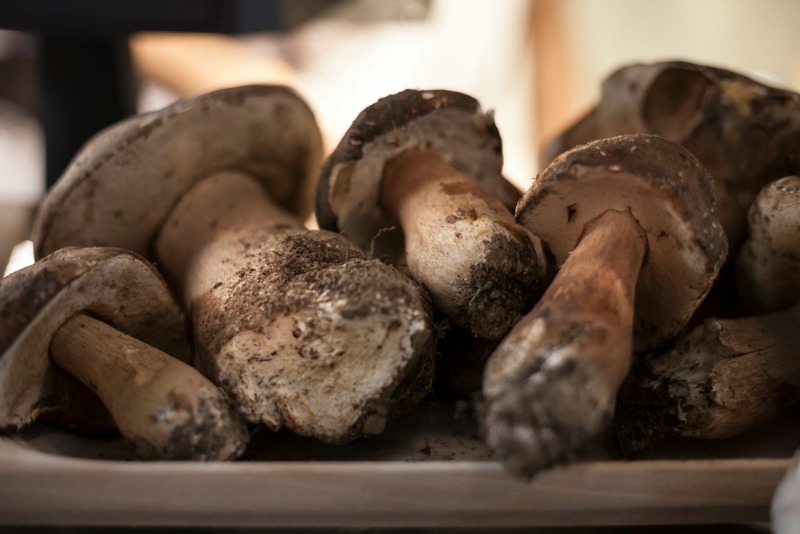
point(67, 68)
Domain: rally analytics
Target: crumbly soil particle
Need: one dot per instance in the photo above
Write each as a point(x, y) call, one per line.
point(502, 287)
point(722, 378)
point(312, 335)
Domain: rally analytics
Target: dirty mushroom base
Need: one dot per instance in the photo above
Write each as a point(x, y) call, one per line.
point(719, 380)
point(323, 352)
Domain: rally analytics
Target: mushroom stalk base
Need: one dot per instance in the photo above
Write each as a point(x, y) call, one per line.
point(550, 385)
point(164, 406)
point(462, 244)
point(297, 326)
point(721, 379)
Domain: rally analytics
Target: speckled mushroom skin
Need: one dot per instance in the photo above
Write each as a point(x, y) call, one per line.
point(671, 196)
point(115, 285)
point(124, 182)
point(744, 132)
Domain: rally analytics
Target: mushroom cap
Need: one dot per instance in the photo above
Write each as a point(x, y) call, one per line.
point(745, 133)
point(736, 126)
point(348, 195)
point(768, 265)
point(670, 195)
point(116, 286)
point(123, 183)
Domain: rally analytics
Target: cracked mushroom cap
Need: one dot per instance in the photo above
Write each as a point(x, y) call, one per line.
point(447, 121)
point(124, 182)
point(35, 302)
point(670, 195)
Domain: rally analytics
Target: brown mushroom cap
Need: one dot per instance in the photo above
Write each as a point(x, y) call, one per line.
point(35, 302)
point(768, 265)
point(447, 121)
point(666, 191)
point(124, 182)
point(743, 132)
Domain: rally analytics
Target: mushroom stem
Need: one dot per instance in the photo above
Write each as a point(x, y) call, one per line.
point(218, 219)
point(724, 377)
point(551, 383)
point(456, 231)
point(164, 406)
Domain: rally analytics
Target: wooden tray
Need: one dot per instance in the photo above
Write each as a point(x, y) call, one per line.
point(428, 469)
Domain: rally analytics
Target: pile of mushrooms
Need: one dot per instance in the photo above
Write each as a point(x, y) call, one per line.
point(568, 307)
point(298, 327)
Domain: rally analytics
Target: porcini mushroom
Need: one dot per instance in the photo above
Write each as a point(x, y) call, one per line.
point(631, 222)
point(298, 326)
point(728, 375)
point(82, 326)
point(430, 162)
point(768, 265)
point(744, 132)
point(724, 377)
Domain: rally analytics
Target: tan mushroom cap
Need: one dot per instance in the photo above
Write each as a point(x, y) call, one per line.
point(743, 131)
point(124, 182)
point(768, 265)
point(670, 195)
point(35, 302)
point(452, 123)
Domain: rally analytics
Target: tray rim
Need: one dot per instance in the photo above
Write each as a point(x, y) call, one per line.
point(38, 488)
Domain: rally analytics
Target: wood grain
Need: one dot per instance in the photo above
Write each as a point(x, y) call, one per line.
point(425, 472)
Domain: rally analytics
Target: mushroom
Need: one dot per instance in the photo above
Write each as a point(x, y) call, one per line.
point(430, 162)
point(768, 265)
point(631, 222)
point(722, 378)
point(728, 375)
point(745, 133)
point(85, 325)
point(297, 326)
